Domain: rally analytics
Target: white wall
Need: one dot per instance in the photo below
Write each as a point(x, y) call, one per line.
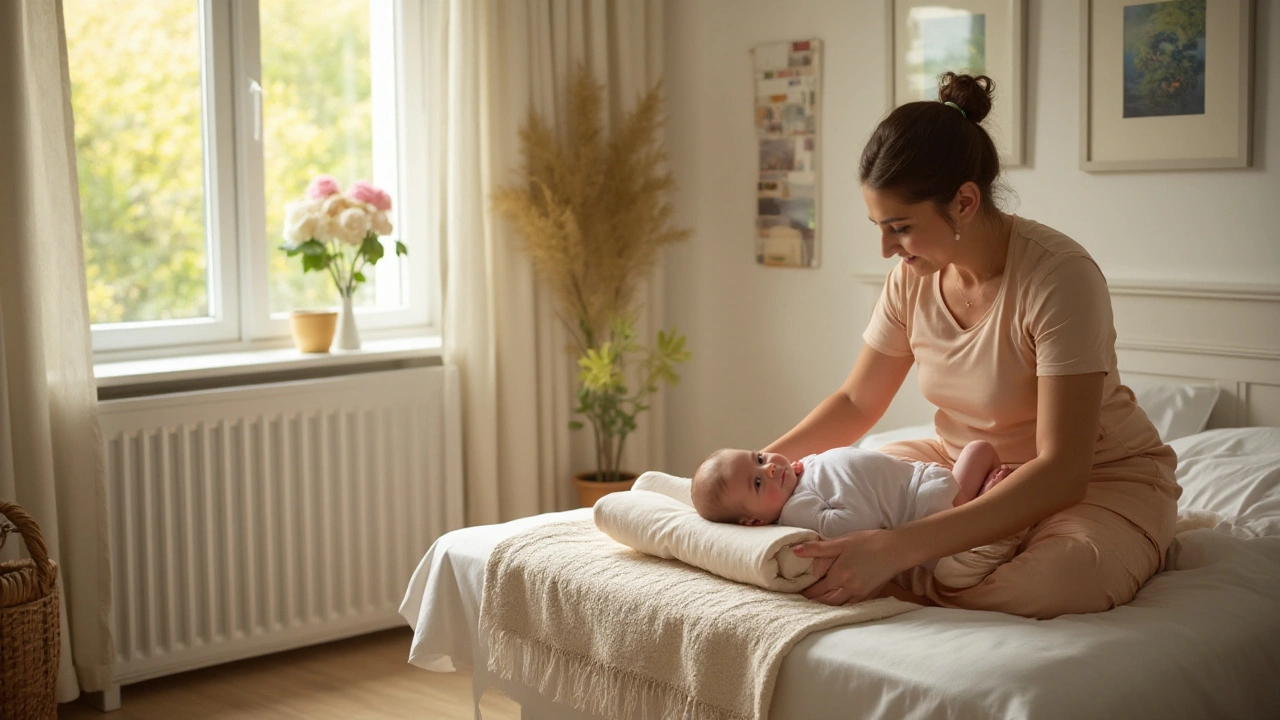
point(768, 344)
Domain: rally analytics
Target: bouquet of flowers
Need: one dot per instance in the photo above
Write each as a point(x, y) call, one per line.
point(338, 232)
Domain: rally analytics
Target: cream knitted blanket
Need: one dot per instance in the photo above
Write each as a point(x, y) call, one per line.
point(621, 634)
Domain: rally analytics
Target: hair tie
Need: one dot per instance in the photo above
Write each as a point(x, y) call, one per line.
point(962, 112)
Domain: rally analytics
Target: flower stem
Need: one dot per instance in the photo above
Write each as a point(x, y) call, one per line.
point(334, 274)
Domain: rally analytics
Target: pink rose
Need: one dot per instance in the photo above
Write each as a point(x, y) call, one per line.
point(366, 193)
point(322, 187)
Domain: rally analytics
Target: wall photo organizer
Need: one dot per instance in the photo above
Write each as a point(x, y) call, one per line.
point(788, 96)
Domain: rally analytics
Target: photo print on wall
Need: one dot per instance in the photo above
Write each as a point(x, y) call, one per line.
point(1166, 85)
point(978, 37)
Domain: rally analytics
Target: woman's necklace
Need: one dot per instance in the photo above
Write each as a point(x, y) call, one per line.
point(982, 291)
point(982, 288)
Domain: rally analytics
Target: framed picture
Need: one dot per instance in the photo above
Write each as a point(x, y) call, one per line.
point(978, 37)
point(788, 97)
point(1165, 85)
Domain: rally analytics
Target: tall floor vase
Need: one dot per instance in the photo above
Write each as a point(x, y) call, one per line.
point(348, 337)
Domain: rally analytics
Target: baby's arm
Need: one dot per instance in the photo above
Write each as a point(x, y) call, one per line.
point(977, 465)
point(810, 511)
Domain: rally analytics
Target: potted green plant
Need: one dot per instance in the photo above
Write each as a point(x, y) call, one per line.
point(610, 404)
point(592, 206)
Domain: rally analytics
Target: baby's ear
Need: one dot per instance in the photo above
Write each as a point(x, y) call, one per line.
point(751, 522)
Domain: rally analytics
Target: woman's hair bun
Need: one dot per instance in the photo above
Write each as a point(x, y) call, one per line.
point(972, 94)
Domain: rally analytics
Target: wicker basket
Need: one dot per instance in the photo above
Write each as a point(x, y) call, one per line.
point(29, 641)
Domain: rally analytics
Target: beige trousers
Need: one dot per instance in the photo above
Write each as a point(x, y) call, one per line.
point(1087, 558)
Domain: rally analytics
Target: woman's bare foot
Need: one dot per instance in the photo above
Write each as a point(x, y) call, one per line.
point(894, 590)
point(968, 568)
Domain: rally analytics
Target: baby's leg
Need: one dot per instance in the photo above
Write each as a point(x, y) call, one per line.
point(976, 462)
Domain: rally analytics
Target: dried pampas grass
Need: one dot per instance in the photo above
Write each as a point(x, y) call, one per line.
point(592, 206)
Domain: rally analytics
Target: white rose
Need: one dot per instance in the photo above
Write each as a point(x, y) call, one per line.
point(351, 226)
point(380, 224)
point(325, 229)
point(328, 212)
point(334, 205)
point(300, 220)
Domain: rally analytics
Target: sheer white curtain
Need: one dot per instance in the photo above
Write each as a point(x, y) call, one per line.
point(492, 61)
point(51, 460)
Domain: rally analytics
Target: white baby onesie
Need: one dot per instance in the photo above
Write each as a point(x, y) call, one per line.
point(844, 490)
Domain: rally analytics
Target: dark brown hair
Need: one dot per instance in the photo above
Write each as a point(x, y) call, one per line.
point(926, 150)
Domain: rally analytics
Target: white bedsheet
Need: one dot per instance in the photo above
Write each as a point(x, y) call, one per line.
point(1199, 641)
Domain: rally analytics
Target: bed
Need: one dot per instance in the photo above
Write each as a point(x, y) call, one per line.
point(1201, 640)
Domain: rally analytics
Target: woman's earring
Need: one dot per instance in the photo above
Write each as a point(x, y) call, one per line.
point(957, 237)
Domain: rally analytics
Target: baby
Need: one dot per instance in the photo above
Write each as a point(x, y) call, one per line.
point(847, 489)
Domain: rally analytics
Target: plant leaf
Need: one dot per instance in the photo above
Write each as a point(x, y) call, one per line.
point(312, 262)
point(371, 249)
point(313, 247)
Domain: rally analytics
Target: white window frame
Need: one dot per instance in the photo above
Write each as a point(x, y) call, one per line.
point(235, 210)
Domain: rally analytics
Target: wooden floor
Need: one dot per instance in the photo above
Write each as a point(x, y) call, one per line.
point(364, 677)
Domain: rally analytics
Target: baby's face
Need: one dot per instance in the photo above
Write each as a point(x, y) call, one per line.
point(759, 483)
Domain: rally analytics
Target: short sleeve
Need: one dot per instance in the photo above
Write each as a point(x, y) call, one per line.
point(1069, 319)
point(887, 331)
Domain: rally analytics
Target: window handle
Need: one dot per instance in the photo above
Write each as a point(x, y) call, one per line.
point(256, 90)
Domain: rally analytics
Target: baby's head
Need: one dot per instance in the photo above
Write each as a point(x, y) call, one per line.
point(744, 486)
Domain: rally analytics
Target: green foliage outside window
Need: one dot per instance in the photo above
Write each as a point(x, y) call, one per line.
point(319, 116)
point(135, 90)
point(135, 84)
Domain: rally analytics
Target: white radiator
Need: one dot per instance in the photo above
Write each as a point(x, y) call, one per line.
point(255, 519)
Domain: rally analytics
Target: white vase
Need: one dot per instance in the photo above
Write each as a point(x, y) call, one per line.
point(348, 337)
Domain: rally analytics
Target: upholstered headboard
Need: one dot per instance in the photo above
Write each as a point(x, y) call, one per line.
point(1228, 336)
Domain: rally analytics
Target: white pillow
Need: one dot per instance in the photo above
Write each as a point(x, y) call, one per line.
point(875, 441)
point(1234, 472)
point(1176, 409)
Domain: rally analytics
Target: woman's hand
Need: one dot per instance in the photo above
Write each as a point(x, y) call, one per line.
point(852, 567)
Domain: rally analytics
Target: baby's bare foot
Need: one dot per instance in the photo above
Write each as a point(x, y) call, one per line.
point(995, 478)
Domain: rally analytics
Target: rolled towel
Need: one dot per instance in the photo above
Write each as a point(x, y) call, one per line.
point(674, 487)
point(655, 522)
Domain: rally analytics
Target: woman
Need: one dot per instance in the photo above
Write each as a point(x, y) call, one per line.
point(1010, 323)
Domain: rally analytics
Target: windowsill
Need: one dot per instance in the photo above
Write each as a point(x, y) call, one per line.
point(198, 372)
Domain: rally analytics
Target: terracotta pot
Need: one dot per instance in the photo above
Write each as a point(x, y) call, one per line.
point(590, 490)
point(313, 329)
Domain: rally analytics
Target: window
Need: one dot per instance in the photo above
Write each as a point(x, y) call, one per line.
point(197, 121)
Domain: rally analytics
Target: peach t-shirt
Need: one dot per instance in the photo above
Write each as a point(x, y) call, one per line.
point(1051, 316)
